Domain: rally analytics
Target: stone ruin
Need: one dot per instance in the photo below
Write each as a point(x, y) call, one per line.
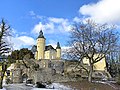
point(45, 71)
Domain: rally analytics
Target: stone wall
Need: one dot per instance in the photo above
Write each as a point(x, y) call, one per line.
point(17, 75)
point(57, 65)
point(47, 75)
point(48, 71)
point(43, 75)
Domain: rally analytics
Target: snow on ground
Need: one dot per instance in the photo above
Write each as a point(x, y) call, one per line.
point(10, 67)
point(59, 86)
point(3, 89)
point(4, 82)
point(43, 89)
point(54, 86)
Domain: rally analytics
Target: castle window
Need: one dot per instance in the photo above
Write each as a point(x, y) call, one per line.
point(44, 64)
point(52, 57)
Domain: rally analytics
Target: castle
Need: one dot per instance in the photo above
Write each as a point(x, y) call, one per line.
point(48, 66)
point(46, 52)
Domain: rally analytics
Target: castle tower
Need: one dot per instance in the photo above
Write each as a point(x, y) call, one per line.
point(40, 46)
point(58, 53)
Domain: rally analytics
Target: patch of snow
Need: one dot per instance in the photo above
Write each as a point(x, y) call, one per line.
point(43, 89)
point(29, 85)
point(10, 67)
point(4, 82)
point(54, 86)
point(59, 86)
point(3, 89)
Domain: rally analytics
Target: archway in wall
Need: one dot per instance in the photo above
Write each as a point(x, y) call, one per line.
point(24, 77)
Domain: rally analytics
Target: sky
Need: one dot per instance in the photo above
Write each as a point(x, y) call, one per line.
point(54, 17)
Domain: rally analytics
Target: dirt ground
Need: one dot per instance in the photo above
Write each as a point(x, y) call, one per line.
point(84, 85)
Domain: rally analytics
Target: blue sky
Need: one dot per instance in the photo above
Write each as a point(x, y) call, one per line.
point(54, 17)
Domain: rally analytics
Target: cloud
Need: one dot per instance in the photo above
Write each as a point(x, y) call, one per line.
point(53, 43)
point(56, 20)
point(66, 25)
point(52, 25)
point(27, 40)
point(77, 19)
point(104, 11)
point(47, 28)
point(22, 41)
point(32, 13)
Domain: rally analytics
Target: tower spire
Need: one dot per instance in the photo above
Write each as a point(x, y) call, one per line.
point(58, 46)
point(41, 34)
point(58, 51)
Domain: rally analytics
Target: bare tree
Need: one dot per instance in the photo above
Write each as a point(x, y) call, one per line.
point(4, 47)
point(92, 41)
point(113, 59)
